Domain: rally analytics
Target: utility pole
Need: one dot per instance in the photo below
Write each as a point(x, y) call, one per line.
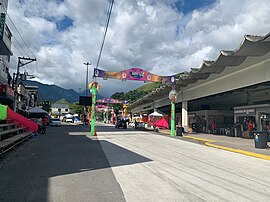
point(20, 64)
point(86, 82)
point(14, 83)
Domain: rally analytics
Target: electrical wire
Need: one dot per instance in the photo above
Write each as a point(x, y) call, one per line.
point(105, 31)
point(20, 46)
point(16, 48)
point(20, 36)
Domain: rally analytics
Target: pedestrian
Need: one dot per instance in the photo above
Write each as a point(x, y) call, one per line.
point(238, 128)
point(44, 123)
point(214, 127)
point(85, 119)
point(251, 126)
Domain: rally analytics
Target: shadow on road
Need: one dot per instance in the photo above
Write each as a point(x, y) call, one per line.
point(62, 151)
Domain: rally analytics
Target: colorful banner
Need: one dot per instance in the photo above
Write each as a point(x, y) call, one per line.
point(135, 74)
point(21, 120)
point(112, 101)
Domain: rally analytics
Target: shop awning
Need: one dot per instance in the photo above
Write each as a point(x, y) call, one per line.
point(36, 110)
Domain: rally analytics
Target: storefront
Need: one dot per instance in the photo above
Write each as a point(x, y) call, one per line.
point(6, 95)
point(200, 121)
point(258, 115)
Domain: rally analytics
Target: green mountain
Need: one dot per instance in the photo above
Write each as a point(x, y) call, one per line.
point(148, 87)
point(54, 92)
point(136, 94)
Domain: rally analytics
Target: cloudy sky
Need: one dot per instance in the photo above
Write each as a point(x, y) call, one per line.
point(161, 36)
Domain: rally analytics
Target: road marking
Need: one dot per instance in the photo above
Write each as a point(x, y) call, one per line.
point(210, 144)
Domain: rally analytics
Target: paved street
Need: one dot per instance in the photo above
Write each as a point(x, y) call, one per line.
point(67, 164)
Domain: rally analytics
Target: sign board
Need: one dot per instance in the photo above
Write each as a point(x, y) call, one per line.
point(2, 25)
point(112, 101)
point(6, 91)
point(244, 112)
point(85, 100)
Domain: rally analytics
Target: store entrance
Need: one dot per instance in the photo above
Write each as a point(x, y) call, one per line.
point(265, 120)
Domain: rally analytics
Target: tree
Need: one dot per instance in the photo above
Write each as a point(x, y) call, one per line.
point(46, 105)
point(76, 108)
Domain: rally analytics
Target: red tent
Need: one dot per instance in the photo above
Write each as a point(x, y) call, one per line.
point(162, 123)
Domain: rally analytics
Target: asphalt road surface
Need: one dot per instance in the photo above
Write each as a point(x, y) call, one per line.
point(67, 164)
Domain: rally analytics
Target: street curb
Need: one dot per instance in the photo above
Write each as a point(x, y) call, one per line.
point(239, 151)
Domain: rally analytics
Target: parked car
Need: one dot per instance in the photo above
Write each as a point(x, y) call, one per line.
point(55, 122)
point(68, 118)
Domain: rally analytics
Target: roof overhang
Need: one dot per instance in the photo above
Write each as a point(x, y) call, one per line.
point(251, 46)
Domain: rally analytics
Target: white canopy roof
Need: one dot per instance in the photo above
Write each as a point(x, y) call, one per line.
point(68, 115)
point(36, 110)
point(155, 114)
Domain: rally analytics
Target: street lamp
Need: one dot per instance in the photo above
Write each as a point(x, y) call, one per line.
point(86, 84)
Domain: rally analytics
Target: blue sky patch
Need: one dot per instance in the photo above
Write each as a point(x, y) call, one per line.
point(57, 1)
point(188, 6)
point(64, 24)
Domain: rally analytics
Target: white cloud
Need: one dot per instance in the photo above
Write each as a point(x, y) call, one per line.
point(149, 34)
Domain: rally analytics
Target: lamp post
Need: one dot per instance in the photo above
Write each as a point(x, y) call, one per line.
point(86, 84)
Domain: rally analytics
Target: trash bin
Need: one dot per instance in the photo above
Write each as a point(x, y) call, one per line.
point(179, 131)
point(194, 127)
point(260, 139)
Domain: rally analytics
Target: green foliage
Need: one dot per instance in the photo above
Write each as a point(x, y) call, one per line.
point(46, 105)
point(62, 101)
point(76, 108)
point(134, 95)
point(149, 87)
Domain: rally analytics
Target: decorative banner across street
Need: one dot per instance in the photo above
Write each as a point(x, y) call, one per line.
point(135, 74)
point(112, 101)
point(101, 108)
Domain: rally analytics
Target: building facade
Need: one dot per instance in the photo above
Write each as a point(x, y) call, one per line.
point(6, 92)
point(215, 91)
point(60, 109)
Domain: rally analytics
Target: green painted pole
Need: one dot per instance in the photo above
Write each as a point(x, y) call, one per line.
point(172, 119)
point(93, 115)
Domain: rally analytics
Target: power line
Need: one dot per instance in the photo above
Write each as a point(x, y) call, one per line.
point(21, 38)
point(105, 30)
point(20, 46)
point(17, 49)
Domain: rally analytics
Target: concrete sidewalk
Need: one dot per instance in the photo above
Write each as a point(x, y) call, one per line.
point(233, 144)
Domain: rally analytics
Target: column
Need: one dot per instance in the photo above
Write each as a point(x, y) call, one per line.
point(185, 115)
point(172, 118)
point(93, 115)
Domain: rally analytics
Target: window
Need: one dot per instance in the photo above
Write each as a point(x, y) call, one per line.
point(66, 110)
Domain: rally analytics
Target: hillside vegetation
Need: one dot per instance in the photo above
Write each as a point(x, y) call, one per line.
point(136, 94)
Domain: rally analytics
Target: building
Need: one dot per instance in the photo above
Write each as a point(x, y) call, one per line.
point(32, 93)
point(233, 88)
point(60, 109)
point(6, 92)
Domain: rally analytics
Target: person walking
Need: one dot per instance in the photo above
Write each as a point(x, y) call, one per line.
point(251, 126)
point(214, 127)
point(44, 123)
